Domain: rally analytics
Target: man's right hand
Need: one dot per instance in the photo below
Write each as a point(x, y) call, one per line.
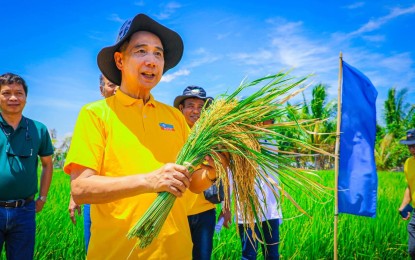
point(72, 208)
point(171, 177)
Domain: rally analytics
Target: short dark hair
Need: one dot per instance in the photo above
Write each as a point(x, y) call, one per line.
point(10, 78)
point(124, 46)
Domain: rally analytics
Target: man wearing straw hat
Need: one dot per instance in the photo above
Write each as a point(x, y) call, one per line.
point(106, 87)
point(123, 147)
point(202, 215)
point(271, 216)
point(409, 196)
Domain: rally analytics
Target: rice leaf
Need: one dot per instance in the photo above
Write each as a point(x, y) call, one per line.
point(234, 125)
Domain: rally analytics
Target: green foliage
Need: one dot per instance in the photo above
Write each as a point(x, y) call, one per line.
point(235, 126)
point(383, 237)
point(56, 236)
point(60, 152)
point(411, 121)
point(322, 131)
point(399, 116)
point(383, 152)
point(399, 154)
point(398, 113)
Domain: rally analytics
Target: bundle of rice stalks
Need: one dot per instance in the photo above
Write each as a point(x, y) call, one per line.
point(234, 126)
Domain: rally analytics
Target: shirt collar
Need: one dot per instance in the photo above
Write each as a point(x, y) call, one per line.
point(22, 122)
point(129, 101)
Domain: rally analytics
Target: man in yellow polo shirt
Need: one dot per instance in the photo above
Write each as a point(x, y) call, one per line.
point(123, 147)
point(409, 196)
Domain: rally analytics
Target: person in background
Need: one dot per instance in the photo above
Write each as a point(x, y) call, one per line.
point(22, 142)
point(123, 147)
point(272, 218)
point(202, 216)
point(409, 195)
point(107, 89)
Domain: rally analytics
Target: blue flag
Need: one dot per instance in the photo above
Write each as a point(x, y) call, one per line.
point(357, 180)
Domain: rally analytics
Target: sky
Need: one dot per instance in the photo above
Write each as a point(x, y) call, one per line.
point(53, 45)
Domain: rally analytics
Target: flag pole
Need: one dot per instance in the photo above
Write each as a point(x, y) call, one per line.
point(336, 160)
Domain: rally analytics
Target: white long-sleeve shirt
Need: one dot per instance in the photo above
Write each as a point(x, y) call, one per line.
point(272, 209)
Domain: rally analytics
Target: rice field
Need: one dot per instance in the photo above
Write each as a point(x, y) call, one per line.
point(302, 237)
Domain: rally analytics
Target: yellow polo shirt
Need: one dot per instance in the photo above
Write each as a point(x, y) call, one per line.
point(121, 136)
point(200, 204)
point(409, 169)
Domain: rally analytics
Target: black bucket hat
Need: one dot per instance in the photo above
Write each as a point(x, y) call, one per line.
point(410, 137)
point(172, 45)
point(191, 92)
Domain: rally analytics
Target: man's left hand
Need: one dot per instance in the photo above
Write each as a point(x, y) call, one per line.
point(39, 205)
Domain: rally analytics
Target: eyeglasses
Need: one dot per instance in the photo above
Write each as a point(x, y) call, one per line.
point(27, 150)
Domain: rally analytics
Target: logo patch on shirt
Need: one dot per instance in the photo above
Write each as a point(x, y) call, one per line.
point(166, 127)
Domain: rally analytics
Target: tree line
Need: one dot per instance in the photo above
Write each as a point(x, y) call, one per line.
point(396, 116)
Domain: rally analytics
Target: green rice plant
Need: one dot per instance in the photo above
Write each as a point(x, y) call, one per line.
point(56, 236)
point(233, 126)
point(302, 237)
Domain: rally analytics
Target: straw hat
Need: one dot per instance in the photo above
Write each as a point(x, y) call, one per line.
point(410, 137)
point(191, 92)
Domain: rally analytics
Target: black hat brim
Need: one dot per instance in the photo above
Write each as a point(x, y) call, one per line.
point(179, 99)
point(172, 45)
point(407, 142)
